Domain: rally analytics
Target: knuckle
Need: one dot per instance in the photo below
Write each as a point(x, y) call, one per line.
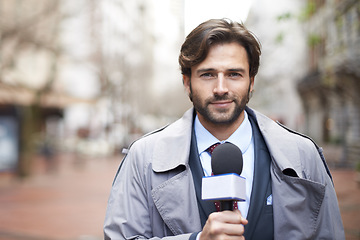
point(216, 229)
point(213, 217)
point(242, 229)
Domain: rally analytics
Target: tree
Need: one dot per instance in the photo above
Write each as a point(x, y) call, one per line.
point(28, 29)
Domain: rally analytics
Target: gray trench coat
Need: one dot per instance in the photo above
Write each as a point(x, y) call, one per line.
point(153, 194)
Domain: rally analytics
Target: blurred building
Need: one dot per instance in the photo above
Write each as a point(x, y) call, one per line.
point(282, 61)
point(29, 95)
point(135, 60)
point(330, 89)
point(93, 74)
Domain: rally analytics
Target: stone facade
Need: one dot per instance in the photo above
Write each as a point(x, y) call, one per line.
point(330, 89)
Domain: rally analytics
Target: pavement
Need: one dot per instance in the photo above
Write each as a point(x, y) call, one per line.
point(66, 200)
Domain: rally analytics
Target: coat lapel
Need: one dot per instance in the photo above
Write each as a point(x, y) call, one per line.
point(173, 190)
point(205, 207)
point(176, 202)
point(260, 214)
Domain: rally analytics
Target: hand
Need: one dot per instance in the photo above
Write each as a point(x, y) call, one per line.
point(224, 225)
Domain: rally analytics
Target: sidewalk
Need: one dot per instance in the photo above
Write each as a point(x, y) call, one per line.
point(348, 193)
point(70, 203)
point(67, 204)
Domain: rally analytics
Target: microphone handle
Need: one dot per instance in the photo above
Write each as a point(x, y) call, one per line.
point(226, 205)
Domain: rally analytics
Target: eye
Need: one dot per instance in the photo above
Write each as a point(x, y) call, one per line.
point(234, 75)
point(207, 75)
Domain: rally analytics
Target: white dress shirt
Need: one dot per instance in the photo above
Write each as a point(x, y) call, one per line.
point(243, 139)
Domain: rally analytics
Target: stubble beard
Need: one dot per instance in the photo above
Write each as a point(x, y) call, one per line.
point(220, 116)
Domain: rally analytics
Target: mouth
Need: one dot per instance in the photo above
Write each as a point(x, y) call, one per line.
point(221, 103)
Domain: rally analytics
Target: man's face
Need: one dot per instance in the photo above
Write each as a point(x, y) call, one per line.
point(219, 86)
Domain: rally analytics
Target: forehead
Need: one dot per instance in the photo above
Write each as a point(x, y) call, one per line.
point(225, 56)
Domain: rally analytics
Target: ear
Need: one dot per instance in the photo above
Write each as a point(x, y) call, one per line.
point(252, 81)
point(186, 82)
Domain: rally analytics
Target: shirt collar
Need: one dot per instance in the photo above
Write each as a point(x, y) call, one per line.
point(241, 137)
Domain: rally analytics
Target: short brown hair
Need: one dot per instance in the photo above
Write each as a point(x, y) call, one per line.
point(216, 31)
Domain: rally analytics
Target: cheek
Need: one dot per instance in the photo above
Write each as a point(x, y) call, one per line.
point(201, 91)
point(242, 88)
point(203, 87)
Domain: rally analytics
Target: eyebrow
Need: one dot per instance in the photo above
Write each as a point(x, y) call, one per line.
point(202, 70)
point(242, 70)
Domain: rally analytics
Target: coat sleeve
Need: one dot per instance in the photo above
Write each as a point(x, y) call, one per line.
point(130, 210)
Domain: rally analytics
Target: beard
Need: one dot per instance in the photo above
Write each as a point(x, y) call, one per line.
point(220, 116)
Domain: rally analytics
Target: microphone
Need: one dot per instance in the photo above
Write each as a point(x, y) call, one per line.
point(226, 158)
point(226, 185)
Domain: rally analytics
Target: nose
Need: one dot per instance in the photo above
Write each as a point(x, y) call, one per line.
point(221, 87)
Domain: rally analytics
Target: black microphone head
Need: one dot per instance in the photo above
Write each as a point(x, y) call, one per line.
point(226, 158)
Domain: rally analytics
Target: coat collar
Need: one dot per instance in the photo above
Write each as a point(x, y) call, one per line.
point(173, 149)
point(283, 149)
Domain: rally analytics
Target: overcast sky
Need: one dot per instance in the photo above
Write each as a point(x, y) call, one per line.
point(197, 11)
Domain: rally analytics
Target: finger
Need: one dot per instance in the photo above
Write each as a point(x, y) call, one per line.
point(230, 224)
point(234, 217)
point(227, 237)
point(222, 225)
point(243, 220)
point(230, 229)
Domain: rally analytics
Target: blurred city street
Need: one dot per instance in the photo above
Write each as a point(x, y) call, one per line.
point(81, 79)
point(68, 200)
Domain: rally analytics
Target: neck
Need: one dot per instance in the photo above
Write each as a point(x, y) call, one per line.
point(222, 131)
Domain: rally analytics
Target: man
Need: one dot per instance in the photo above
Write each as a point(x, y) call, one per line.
point(157, 190)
